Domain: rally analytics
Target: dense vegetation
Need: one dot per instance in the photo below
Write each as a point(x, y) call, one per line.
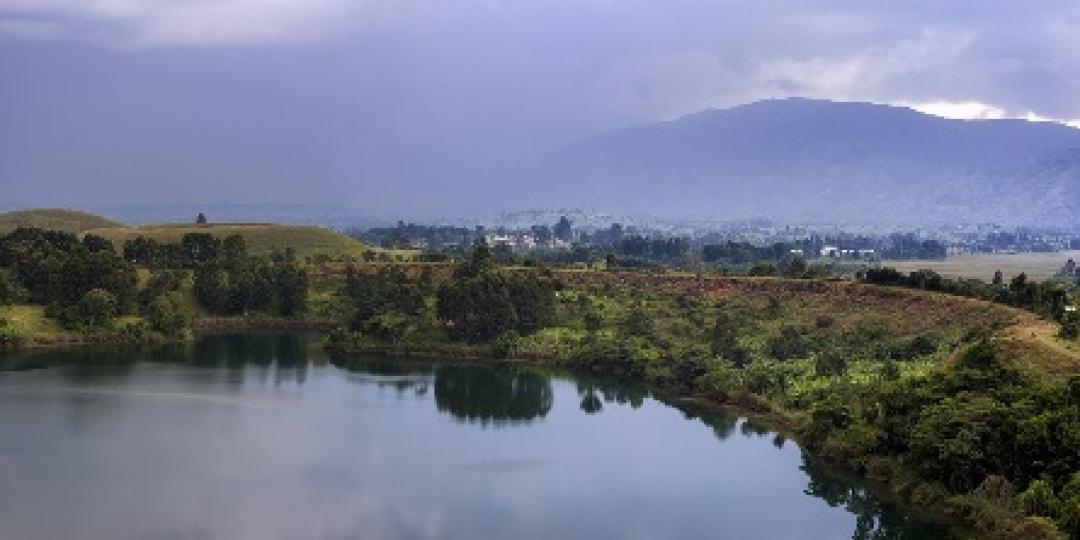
point(913, 389)
point(917, 396)
point(88, 287)
point(1048, 299)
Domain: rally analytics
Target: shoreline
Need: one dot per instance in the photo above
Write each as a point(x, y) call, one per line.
point(895, 482)
point(208, 325)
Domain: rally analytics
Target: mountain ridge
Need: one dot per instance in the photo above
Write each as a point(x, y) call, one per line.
point(798, 159)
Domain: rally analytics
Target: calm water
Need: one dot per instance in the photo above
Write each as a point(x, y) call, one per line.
point(262, 437)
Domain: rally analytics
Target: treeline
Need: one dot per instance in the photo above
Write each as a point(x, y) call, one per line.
point(478, 304)
point(978, 439)
point(227, 281)
point(1047, 298)
point(408, 235)
point(86, 285)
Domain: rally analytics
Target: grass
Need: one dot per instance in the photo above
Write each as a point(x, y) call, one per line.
point(262, 238)
point(1038, 266)
point(31, 322)
point(72, 221)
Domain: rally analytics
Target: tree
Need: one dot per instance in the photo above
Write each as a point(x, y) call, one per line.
point(291, 280)
point(481, 303)
point(638, 322)
point(200, 219)
point(610, 262)
point(999, 278)
point(210, 288)
point(563, 230)
point(96, 308)
point(200, 248)
point(167, 315)
point(233, 251)
point(829, 363)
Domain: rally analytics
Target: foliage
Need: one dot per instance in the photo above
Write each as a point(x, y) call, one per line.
point(480, 303)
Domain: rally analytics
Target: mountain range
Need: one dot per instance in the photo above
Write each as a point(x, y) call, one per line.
point(811, 160)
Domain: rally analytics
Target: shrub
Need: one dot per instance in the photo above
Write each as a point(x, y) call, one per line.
point(721, 381)
point(1036, 528)
point(830, 363)
point(94, 310)
point(506, 345)
point(166, 315)
point(1039, 499)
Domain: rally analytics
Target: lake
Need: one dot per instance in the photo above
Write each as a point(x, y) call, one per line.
point(263, 436)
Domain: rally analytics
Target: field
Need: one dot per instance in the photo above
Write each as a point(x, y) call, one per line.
point(1038, 266)
point(262, 238)
point(72, 221)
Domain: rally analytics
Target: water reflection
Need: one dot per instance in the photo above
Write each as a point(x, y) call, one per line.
point(495, 396)
point(876, 517)
point(595, 391)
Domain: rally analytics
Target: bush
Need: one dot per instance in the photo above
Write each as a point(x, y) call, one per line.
point(830, 363)
point(790, 343)
point(95, 309)
point(506, 345)
point(1035, 528)
point(721, 381)
point(1039, 499)
point(387, 326)
point(9, 338)
point(167, 315)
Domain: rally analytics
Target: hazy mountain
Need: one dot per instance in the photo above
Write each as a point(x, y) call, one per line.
point(800, 159)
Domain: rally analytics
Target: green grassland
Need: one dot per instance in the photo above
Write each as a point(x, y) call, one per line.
point(261, 238)
point(72, 221)
point(1038, 266)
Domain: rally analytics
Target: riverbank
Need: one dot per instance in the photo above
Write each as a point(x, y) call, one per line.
point(28, 328)
point(972, 516)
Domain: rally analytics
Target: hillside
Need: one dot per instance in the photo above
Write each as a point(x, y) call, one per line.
point(73, 221)
point(262, 238)
point(799, 159)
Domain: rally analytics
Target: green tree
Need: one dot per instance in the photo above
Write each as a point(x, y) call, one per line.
point(211, 288)
point(95, 309)
point(291, 280)
point(167, 315)
point(1039, 499)
point(830, 362)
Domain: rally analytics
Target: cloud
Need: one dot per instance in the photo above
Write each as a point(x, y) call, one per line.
point(150, 23)
point(974, 110)
point(23, 29)
point(347, 92)
point(959, 110)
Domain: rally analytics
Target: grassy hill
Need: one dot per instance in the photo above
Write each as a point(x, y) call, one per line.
point(73, 221)
point(262, 238)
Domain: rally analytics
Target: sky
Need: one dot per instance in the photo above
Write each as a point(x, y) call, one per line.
point(387, 105)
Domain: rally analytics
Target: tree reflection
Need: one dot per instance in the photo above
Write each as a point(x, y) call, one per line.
point(723, 423)
point(283, 356)
point(595, 391)
point(876, 517)
point(490, 395)
point(400, 375)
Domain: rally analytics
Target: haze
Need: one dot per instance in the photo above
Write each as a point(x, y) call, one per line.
point(404, 108)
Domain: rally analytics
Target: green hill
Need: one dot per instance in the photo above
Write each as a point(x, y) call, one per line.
point(262, 238)
point(73, 221)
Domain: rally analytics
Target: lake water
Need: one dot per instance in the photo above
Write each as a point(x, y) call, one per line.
point(263, 437)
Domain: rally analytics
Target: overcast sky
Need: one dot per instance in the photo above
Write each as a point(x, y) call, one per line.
point(376, 103)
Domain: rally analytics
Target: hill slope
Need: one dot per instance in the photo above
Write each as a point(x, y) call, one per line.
point(262, 238)
point(802, 159)
point(72, 221)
